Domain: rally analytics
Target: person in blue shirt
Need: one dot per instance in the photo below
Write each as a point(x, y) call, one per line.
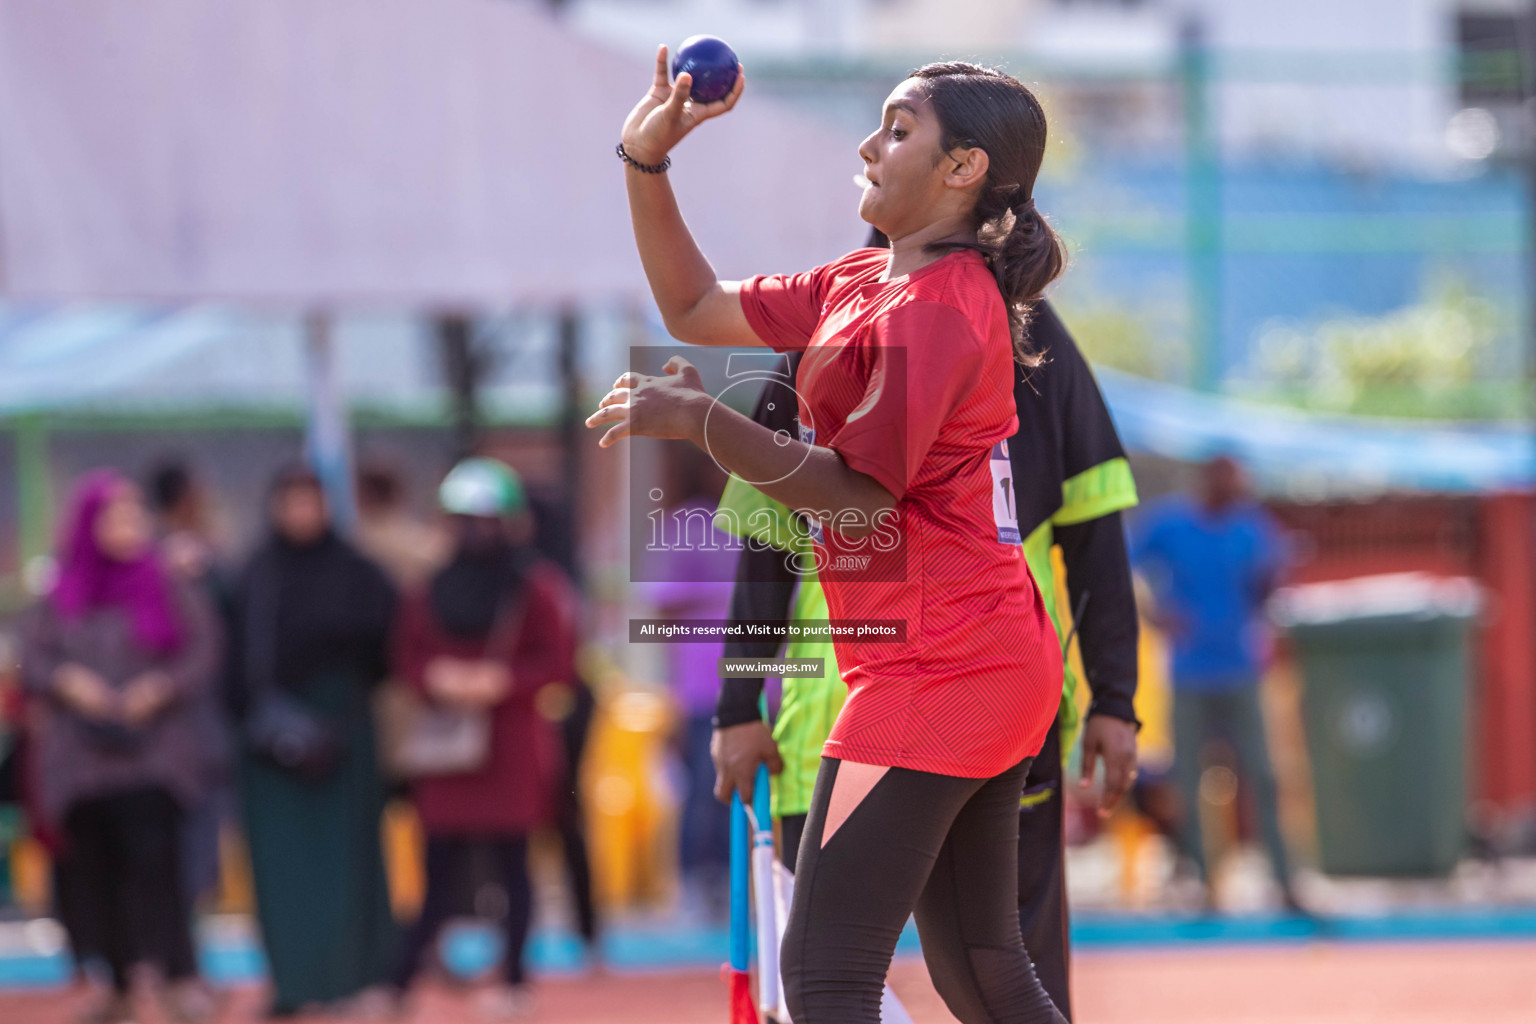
point(1212, 560)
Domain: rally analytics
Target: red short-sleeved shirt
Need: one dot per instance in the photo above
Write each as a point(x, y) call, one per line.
point(911, 382)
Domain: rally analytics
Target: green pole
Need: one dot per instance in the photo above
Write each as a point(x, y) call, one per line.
point(1203, 228)
point(33, 492)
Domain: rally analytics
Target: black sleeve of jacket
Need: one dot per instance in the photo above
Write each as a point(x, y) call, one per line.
point(764, 588)
point(765, 584)
point(1099, 567)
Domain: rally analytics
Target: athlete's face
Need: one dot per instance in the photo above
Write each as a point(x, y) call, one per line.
point(903, 163)
point(911, 181)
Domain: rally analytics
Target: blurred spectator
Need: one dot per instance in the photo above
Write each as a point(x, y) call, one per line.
point(554, 525)
point(575, 724)
point(181, 516)
point(180, 504)
point(490, 630)
point(118, 654)
point(64, 894)
point(555, 528)
point(310, 643)
point(12, 751)
point(407, 548)
point(692, 570)
point(1212, 561)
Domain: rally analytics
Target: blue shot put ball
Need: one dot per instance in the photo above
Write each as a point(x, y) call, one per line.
point(711, 62)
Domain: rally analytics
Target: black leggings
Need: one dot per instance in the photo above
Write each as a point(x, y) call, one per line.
point(1042, 877)
point(449, 863)
point(940, 847)
point(122, 884)
point(1043, 873)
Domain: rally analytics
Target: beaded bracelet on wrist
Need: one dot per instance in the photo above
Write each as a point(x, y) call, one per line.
point(666, 162)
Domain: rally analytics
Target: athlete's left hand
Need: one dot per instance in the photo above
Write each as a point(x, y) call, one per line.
point(644, 406)
point(1113, 740)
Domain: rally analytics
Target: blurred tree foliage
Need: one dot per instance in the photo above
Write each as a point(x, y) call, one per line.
point(1450, 356)
point(1148, 343)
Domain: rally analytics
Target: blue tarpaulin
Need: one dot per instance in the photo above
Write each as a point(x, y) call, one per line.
point(1314, 452)
point(74, 354)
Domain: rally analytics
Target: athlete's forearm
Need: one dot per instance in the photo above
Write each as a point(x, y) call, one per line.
point(679, 274)
point(807, 478)
point(1097, 565)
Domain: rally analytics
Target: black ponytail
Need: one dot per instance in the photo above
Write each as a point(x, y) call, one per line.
point(979, 107)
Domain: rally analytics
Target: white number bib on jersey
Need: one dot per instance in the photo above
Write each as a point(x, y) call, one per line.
point(1004, 510)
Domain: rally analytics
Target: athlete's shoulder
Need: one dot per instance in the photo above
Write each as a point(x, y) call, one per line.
point(964, 282)
point(833, 281)
point(858, 263)
point(914, 318)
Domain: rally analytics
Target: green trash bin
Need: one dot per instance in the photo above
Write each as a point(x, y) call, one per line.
point(1386, 671)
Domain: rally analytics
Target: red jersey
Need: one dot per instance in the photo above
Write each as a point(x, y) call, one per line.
point(911, 382)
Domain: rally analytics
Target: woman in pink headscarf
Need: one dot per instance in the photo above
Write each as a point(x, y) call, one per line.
point(113, 657)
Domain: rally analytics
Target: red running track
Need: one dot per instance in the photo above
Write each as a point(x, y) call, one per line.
point(1315, 984)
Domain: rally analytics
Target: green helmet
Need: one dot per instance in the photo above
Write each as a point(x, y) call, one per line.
point(481, 486)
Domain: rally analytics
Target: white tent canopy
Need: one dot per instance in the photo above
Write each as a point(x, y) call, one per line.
point(136, 359)
point(319, 152)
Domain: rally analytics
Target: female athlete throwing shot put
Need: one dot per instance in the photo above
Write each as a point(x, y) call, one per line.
point(906, 398)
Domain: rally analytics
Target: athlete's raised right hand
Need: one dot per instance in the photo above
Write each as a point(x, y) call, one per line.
point(666, 114)
point(737, 750)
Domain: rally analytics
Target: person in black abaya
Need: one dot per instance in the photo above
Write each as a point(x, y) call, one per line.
point(312, 623)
